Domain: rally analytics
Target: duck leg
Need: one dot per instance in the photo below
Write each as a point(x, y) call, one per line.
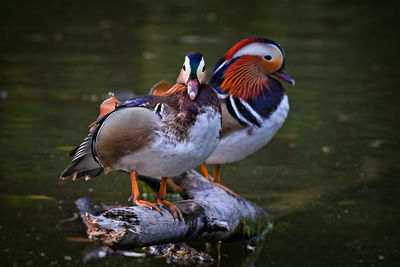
point(217, 182)
point(160, 197)
point(204, 171)
point(135, 197)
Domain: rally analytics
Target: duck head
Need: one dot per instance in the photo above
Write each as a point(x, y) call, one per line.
point(193, 73)
point(245, 69)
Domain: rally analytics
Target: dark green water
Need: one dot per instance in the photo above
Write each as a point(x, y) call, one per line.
point(330, 177)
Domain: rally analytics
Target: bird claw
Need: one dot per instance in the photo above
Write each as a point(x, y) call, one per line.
point(139, 202)
point(175, 211)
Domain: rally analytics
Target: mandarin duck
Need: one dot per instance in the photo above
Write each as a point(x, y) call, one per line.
point(154, 135)
point(254, 103)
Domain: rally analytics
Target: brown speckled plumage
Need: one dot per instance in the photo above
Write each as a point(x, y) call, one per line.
point(157, 135)
point(127, 133)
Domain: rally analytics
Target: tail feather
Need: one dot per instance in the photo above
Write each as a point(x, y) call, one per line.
point(83, 163)
point(82, 167)
point(73, 152)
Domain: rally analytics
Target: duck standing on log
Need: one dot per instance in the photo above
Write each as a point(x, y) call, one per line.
point(154, 135)
point(254, 103)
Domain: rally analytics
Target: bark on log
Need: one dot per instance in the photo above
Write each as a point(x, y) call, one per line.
point(209, 213)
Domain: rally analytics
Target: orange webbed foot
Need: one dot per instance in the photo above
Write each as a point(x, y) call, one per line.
point(176, 213)
point(139, 202)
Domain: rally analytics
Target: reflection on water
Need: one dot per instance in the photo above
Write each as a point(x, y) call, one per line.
point(329, 177)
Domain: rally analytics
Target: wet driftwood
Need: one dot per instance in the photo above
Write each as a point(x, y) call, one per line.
point(209, 213)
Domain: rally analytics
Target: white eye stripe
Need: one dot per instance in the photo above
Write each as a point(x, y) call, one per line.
point(259, 49)
point(202, 64)
point(269, 53)
point(187, 69)
point(187, 64)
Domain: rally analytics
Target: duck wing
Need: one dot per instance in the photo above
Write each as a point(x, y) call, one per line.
point(85, 162)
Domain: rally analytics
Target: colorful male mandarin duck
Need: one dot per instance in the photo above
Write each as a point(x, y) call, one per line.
point(154, 135)
point(254, 104)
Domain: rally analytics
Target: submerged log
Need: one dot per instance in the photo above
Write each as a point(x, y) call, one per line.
point(209, 214)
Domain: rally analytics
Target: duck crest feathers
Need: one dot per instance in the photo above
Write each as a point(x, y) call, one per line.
point(231, 52)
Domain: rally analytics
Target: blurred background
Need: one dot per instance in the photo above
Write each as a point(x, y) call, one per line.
point(329, 178)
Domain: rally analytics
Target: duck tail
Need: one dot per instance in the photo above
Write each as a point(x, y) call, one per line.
point(84, 163)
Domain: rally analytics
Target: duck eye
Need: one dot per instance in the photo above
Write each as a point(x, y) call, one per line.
point(204, 68)
point(267, 57)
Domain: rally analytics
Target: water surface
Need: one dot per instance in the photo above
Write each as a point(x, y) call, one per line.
point(329, 177)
